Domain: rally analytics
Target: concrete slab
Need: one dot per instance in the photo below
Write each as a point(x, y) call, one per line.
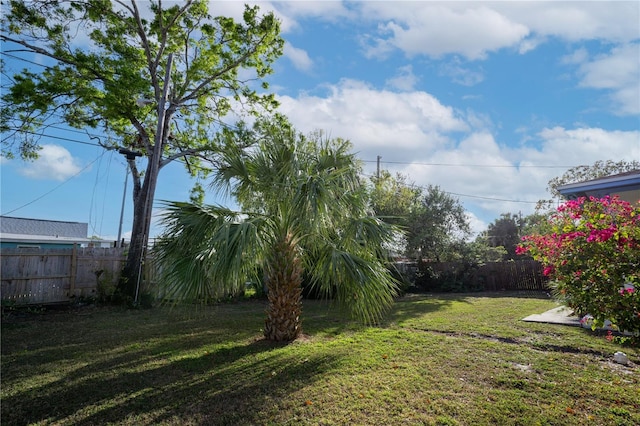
point(559, 315)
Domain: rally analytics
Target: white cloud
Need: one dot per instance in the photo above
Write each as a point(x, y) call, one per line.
point(459, 74)
point(495, 173)
point(54, 162)
point(404, 79)
point(477, 225)
point(291, 13)
point(619, 72)
point(435, 30)
point(377, 122)
point(326, 10)
point(613, 21)
point(578, 56)
point(298, 57)
point(474, 29)
point(529, 44)
point(432, 143)
point(587, 145)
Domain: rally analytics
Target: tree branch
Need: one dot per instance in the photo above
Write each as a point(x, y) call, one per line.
point(36, 49)
point(196, 92)
point(186, 153)
point(164, 32)
point(147, 49)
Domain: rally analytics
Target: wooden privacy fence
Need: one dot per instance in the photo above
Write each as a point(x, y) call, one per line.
point(492, 276)
point(514, 275)
point(58, 275)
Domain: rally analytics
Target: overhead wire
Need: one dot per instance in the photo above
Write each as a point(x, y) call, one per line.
point(24, 60)
point(93, 203)
point(469, 195)
point(386, 162)
point(471, 165)
point(55, 188)
point(104, 195)
point(55, 137)
point(364, 161)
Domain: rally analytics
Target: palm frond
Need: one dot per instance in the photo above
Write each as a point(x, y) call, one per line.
point(360, 284)
point(207, 251)
point(371, 234)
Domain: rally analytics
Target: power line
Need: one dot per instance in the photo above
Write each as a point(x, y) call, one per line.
point(370, 161)
point(56, 137)
point(469, 165)
point(104, 197)
point(491, 198)
point(471, 196)
point(364, 161)
point(49, 192)
point(25, 60)
point(95, 135)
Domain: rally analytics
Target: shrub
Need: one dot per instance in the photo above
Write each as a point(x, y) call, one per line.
point(592, 255)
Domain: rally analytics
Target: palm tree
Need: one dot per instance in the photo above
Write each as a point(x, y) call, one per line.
point(304, 210)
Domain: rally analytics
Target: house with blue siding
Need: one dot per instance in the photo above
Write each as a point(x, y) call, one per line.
point(17, 232)
point(624, 185)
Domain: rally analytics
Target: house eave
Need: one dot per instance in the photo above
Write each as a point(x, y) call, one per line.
point(616, 183)
point(42, 239)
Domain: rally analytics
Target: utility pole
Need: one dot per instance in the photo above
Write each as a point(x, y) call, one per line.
point(378, 168)
point(155, 159)
point(520, 223)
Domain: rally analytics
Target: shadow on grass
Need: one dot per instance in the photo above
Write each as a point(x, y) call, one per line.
point(165, 383)
point(524, 294)
point(521, 294)
point(414, 305)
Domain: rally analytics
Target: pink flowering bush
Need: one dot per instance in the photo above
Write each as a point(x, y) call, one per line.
point(592, 255)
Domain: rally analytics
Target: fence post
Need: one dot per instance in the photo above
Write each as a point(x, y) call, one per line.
point(73, 272)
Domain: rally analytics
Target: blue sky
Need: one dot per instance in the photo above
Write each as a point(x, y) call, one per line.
point(488, 100)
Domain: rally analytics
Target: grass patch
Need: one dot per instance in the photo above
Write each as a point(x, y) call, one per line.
point(437, 360)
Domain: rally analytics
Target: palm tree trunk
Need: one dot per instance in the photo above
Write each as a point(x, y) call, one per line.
point(284, 286)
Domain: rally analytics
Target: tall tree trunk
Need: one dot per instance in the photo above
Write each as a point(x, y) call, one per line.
point(284, 284)
point(131, 277)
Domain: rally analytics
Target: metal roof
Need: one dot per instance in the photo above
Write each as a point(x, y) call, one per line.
point(40, 227)
point(620, 182)
point(42, 239)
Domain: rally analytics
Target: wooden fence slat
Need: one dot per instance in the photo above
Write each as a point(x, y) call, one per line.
point(524, 275)
point(73, 270)
point(56, 275)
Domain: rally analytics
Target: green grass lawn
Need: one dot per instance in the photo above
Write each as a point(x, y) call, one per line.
point(436, 360)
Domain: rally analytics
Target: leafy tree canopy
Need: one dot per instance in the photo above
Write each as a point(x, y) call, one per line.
point(505, 232)
point(394, 199)
point(434, 223)
point(113, 79)
point(438, 231)
point(156, 80)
